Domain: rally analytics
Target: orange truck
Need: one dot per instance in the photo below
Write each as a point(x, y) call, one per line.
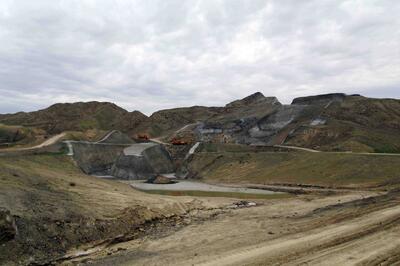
point(142, 136)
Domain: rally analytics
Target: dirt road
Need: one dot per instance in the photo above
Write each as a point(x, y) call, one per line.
point(336, 152)
point(46, 143)
point(347, 229)
point(355, 241)
point(296, 148)
point(106, 136)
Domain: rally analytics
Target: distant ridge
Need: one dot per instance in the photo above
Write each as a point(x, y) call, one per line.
point(334, 121)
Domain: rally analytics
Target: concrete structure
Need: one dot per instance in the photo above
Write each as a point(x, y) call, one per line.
point(142, 161)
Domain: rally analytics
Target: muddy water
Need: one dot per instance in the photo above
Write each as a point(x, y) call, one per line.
point(196, 186)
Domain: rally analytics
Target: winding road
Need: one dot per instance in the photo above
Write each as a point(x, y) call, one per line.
point(50, 141)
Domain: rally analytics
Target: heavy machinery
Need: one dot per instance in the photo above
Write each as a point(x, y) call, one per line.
point(176, 141)
point(142, 136)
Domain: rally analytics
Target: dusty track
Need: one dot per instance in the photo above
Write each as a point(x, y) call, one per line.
point(106, 136)
point(291, 232)
point(46, 143)
point(354, 241)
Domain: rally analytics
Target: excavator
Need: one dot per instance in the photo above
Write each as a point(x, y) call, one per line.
point(176, 141)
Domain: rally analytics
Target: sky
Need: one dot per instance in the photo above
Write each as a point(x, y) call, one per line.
point(157, 54)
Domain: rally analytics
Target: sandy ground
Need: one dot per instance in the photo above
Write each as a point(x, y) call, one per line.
point(343, 229)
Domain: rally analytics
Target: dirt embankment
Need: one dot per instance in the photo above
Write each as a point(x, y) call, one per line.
point(351, 229)
point(59, 212)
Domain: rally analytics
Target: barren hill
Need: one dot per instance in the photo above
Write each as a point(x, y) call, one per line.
point(77, 116)
point(333, 122)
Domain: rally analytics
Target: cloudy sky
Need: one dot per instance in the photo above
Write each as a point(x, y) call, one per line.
point(151, 55)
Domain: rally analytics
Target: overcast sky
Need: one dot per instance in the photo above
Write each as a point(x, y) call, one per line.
point(148, 55)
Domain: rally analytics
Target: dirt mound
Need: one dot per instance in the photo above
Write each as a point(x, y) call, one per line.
point(57, 210)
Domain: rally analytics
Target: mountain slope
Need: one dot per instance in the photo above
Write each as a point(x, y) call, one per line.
point(354, 123)
point(331, 122)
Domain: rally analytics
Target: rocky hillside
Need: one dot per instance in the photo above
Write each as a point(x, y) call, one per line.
point(165, 122)
point(350, 123)
point(326, 122)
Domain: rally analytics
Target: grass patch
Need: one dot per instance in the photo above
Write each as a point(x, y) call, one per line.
point(217, 147)
point(325, 169)
point(197, 193)
point(88, 124)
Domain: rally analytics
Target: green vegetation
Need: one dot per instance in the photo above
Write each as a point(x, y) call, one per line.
point(326, 169)
point(88, 124)
point(379, 141)
point(197, 193)
point(104, 116)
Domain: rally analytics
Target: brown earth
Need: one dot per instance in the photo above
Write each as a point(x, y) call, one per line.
point(59, 215)
point(239, 164)
point(59, 211)
point(356, 228)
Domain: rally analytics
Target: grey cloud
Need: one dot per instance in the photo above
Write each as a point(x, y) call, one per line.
point(155, 54)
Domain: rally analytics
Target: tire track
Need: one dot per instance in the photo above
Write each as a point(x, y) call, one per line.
point(285, 250)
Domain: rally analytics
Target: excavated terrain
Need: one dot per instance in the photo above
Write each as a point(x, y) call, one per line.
point(354, 228)
point(51, 211)
point(333, 159)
